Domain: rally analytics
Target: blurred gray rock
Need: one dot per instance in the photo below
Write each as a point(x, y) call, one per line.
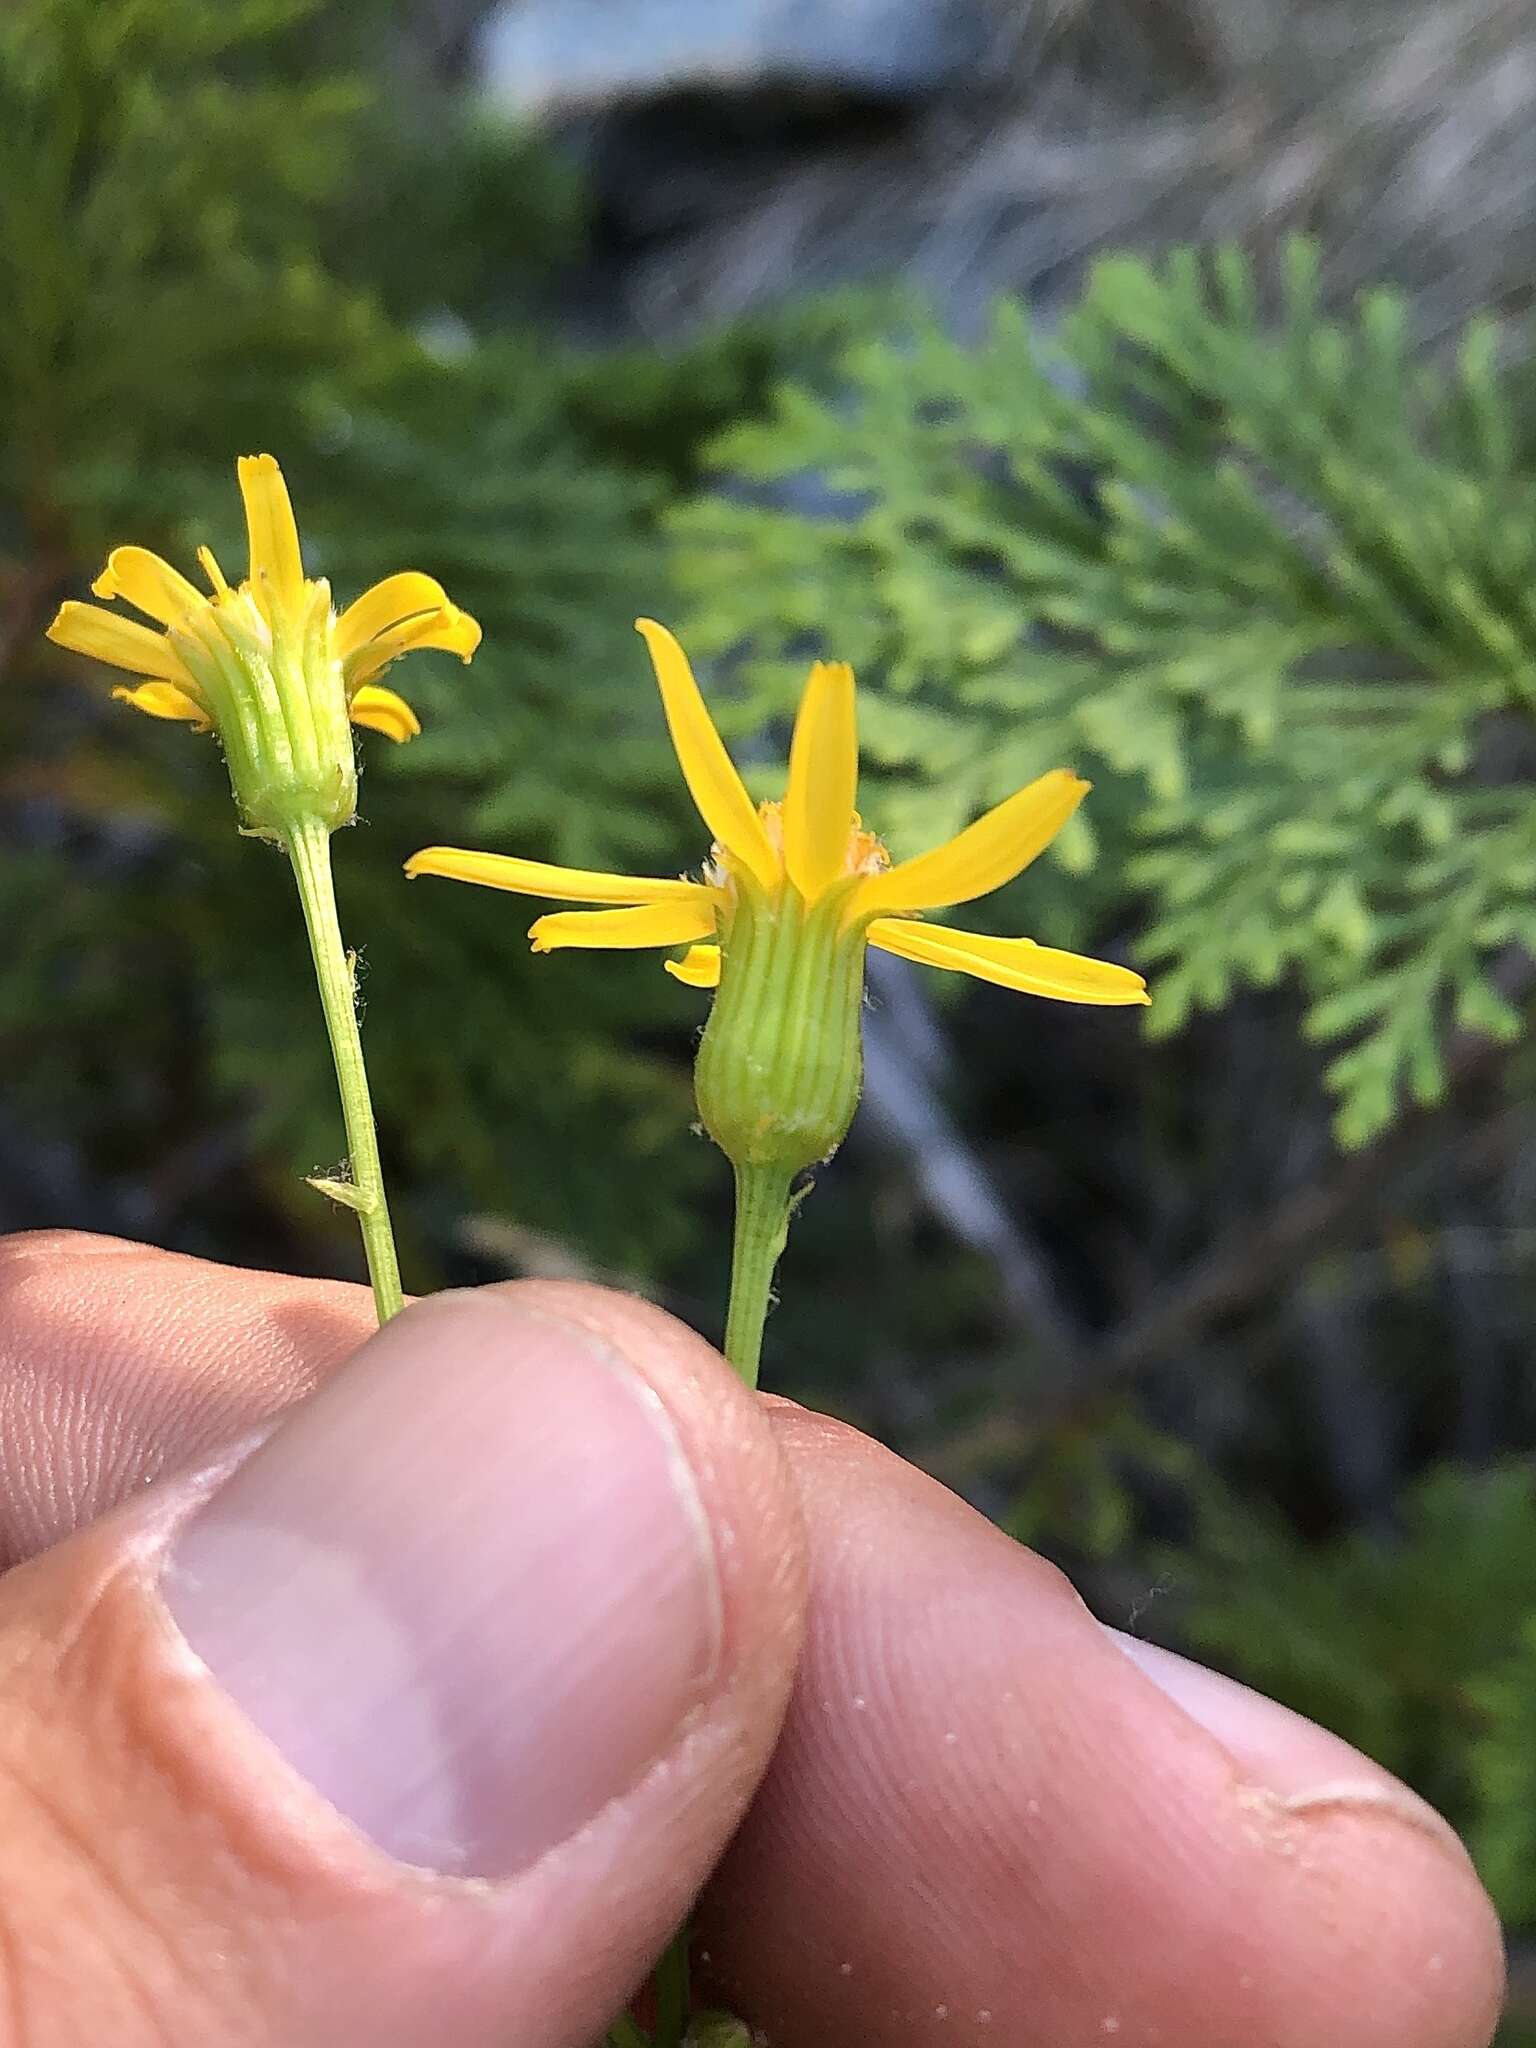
point(745, 150)
point(558, 54)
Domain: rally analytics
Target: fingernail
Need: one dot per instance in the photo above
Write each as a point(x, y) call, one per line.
point(1307, 1769)
point(468, 1590)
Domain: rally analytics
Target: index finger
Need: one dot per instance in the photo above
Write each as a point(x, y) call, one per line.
point(986, 1823)
point(119, 1361)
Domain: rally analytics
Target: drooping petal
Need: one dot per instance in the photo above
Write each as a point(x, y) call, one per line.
point(699, 967)
point(540, 878)
point(446, 627)
point(398, 597)
point(382, 711)
point(1011, 963)
point(717, 790)
point(986, 854)
point(648, 924)
point(823, 780)
point(277, 567)
point(121, 643)
point(158, 590)
point(166, 700)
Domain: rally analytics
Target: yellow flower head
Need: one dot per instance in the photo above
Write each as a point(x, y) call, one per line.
point(267, 664)
point(790, 897)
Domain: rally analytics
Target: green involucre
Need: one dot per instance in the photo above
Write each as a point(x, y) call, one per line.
point(781, 1061)
point(280, 711)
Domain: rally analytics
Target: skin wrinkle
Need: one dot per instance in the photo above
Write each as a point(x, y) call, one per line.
point(85, 1423)
point(14, 1981)
point(134, 1940)
point(1361, 1799)
point(144, 1940)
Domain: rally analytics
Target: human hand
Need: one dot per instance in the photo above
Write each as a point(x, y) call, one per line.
point(518, 1597)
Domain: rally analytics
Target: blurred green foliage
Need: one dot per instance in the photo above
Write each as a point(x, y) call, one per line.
point(193, 239)
point(1259, 573)
point(1404, 1645)
point(1245, 560)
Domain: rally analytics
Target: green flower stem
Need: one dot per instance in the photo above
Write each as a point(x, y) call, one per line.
point(762, 1224)
point(309, 849)
point(673, 1992)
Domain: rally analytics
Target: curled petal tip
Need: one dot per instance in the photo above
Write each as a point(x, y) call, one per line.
point(467, 634)
point(382, 711)
point(149, 583)
point(660, 639)
point(698, 968)
point(165, 700)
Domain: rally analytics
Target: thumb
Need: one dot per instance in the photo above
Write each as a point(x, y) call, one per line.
point(421, 1722)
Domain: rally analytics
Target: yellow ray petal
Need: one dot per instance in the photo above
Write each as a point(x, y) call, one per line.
point(398, 597)
point(446, 627)
point(699, 967)
point(157, 589)
point(165, 700)
point(648, 924)
point(121, 643)
point(708, 770)
point(382, 711)
point(539, 878)
point(823, 780)
point(1011, 963)
point(985, 855)
point(277, 567)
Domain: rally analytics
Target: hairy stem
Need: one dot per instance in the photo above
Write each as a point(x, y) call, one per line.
point(309, 849)
point(762, 1224)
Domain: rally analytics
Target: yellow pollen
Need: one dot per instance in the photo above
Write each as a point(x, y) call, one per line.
point(864, 854)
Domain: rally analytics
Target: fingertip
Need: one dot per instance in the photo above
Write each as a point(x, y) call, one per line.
point(1433, 1973)
point(1064, 1851)
point(1426, 1968)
